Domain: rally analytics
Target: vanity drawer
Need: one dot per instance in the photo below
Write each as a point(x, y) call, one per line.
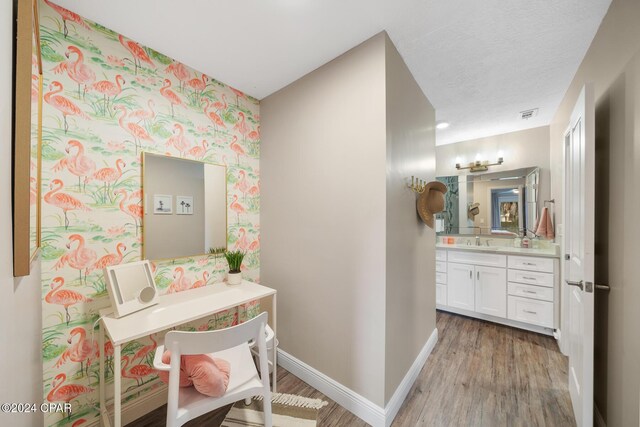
point(489, 260)
point(441, 255)
point(531, 263)
point(528, 291)
point(531, 278)
point(441, 294)
point(441, 266)
point(441, 278)
point(530, 311)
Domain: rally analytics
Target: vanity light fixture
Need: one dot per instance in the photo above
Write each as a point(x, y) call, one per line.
point(480, 166)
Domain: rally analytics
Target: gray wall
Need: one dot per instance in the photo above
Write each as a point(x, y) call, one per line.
point(410, 248)
point(612, 64)
point(173, 236)
point(20, 347)
point(322, 214)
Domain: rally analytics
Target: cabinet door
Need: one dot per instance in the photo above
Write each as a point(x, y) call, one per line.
point(491, 291)
point(460, 292)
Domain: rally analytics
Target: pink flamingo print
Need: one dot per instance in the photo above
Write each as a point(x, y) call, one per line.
point(202, 282)
point(81, 351)
point(137, 372)
point(108, 90)
point(178, 140)
point(109, 176)
point(242, 184)
point(108, 354)
point(35, 88)
point(242, 242)
point(239, 94)
point(237, 148)
point(78, 164)
point(170, 95)
point(64, 297)
point(241, 126)
point(61, 392)
point(64, 201)
point(215, 118)
point(77, 70)
point(181, 73)
point(199, 151)
point(110, 259)
point(78, 422)
point(134, 210)
point(147, 349)
point(63, 104)
point(254, 135)
point(80, 258)
point(254, 190)
point(138, 53)
point(180, 282)
point(67, 15)
point(198, 85)
point(218, 105)
point(255, 245)
point(138, 133)
point(115, 61)
point(237, 207)
point(143, 114)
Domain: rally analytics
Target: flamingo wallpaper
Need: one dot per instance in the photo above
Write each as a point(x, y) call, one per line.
point(106, 100)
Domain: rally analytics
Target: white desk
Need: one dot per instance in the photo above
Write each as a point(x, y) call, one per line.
point(172, 310)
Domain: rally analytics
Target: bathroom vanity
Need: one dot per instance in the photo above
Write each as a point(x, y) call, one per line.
point(512, 286)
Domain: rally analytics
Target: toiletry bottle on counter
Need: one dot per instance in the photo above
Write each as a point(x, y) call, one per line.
point(517, 242)
point(526, 242)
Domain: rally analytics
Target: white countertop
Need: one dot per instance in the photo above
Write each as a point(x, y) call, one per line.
point(506, 250)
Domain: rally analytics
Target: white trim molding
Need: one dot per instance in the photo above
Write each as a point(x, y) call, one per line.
point(350, 400)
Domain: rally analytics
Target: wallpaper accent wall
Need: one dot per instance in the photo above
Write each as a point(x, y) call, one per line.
point(107, 99)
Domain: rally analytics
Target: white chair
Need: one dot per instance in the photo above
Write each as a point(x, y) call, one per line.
point(230, 344)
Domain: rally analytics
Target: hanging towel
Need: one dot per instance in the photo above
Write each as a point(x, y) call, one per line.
point(545, 226)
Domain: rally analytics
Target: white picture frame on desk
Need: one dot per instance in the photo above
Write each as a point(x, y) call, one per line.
point(131, 287)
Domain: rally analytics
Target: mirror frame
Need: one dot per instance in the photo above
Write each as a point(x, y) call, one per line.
point(144, 207)
point(27, 31)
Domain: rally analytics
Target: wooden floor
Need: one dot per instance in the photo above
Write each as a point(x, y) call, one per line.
point(479, 374)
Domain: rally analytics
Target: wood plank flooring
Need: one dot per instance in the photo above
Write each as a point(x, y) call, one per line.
point(479, 374)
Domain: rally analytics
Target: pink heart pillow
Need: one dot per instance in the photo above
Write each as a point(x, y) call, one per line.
point(185, 381)
point(210, 375)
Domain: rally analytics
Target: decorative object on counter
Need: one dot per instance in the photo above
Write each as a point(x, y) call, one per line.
point(545, 225)
point(526, 242)
point(131, 287)
point(234, 259)
point(480, 166)
point(431, 201)
point(473, 210)
point(417, 185)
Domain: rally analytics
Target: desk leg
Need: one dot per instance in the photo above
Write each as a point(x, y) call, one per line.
point(275, 336)
point(103, 400)
point(117, 380)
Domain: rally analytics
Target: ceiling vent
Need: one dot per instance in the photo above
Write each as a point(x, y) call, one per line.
point(527, 114)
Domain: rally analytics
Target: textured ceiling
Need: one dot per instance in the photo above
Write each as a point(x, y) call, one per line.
point(479, 62)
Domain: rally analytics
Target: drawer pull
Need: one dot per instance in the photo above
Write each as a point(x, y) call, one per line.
point(529, 278)
point(529, 292)
point(530, 312)
point(529, 263)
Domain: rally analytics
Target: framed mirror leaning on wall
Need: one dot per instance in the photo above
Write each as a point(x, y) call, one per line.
point(500, 203)
point(185, 207)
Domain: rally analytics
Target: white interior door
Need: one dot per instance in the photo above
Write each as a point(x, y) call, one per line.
point(578, 202)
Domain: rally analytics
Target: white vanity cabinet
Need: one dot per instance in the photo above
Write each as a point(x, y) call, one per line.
point(513, 289)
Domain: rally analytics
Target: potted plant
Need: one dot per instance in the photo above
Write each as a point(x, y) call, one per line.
point(234, 259)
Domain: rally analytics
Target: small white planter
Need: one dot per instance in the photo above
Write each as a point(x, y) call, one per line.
point(234, 278)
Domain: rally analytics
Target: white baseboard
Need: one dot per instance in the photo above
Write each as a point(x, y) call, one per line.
point(398, 398)
point(139, 407)
point(598, 420)
point(345, 397)
point(349, 399)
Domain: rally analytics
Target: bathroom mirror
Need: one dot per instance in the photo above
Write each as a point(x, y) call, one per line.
point(185, 207)
point(500, 204)
point(131, 287)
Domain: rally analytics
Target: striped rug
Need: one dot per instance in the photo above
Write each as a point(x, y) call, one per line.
point(288, 410)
